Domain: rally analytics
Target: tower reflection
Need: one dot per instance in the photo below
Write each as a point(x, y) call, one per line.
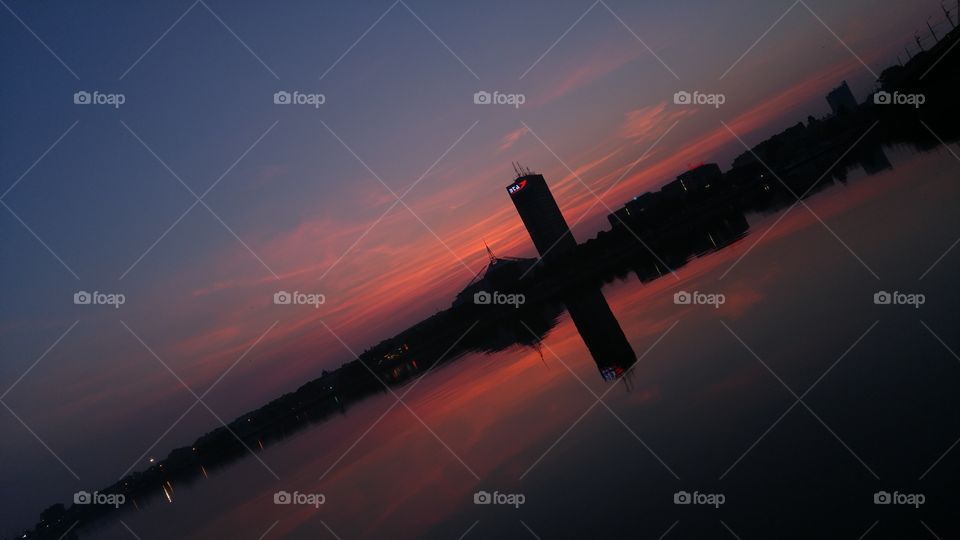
point(601, 333)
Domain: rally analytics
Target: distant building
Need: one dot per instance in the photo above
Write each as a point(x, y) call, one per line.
point(619, 217)
point(701, 178)
point(501, 274)
point(642, 203)
point(541, 215)
point(841, 100)
point(674, 192)
point(635, 209)
point(648, 210)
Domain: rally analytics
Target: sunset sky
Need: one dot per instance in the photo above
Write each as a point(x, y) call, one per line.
point(297, 202)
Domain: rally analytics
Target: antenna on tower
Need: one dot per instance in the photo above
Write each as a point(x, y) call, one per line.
point(934, 34)
point(493, 258)
point(538, 346)
point(520, 170)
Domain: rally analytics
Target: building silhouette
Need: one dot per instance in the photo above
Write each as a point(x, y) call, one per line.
point(502, 274)
point(651, 209)
point(540, 214)
point(841, 99)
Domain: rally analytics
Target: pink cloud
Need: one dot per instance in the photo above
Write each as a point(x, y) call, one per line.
point(602, 63)
point(511, 138)
point(647, 123)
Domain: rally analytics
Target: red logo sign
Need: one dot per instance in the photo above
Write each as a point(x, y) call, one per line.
point(516, 187)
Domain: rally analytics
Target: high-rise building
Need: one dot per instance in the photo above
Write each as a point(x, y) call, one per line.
point(541, 215)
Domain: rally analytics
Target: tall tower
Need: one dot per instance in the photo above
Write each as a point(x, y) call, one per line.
point(540, 214)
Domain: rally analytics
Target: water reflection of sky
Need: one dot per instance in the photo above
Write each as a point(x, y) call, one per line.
point(698, 400)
